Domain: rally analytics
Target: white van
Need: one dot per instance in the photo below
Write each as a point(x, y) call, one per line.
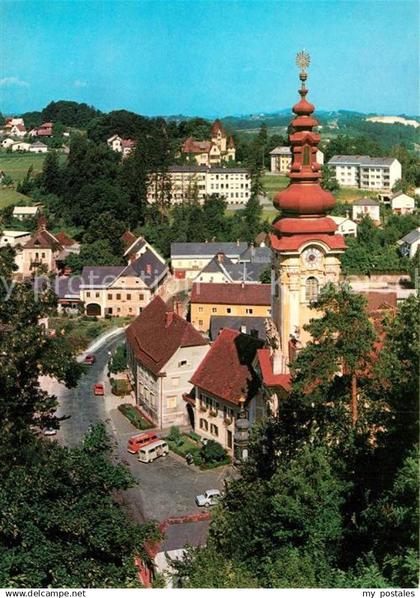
point(152, 451)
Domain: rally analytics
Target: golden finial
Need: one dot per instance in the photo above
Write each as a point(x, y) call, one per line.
point(303, 60)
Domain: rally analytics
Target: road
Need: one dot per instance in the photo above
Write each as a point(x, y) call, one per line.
point(165, 488)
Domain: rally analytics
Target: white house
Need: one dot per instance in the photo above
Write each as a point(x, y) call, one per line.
point(6, 143)
point(12, 238)
point(366, 207)
point(345, 226)
point(281, 159)
point(123, 146)
point(365, 172)
point(409, 244)
point(189, 259)
point(22, 212)
point(402, 203)
point(38, 148)
point(18, 130)
point(21, 146)
point(163, 352)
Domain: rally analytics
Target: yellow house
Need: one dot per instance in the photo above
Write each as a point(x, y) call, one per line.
point(228, 299)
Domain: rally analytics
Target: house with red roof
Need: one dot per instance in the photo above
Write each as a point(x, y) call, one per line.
point(211, 152)
point(224, 382)
point(163, 352)
point(123, 146)
point(228, 299)
point(45, 130)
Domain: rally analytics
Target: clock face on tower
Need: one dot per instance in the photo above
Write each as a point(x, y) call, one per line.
point(312, 257)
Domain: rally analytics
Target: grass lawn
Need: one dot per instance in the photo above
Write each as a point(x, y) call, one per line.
point(16, 164)
point(11, 196)
point(81, 331)
point(274, 183)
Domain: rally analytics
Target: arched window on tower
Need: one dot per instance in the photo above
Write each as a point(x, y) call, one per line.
point(306, 155)
point(311, 289)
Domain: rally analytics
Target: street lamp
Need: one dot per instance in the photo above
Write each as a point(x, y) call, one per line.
point(241, 437)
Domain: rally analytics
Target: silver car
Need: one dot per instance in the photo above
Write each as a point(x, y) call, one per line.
point(209, 498)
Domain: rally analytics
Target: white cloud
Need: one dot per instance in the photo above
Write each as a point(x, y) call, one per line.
point(79, 83)
point(13, 82)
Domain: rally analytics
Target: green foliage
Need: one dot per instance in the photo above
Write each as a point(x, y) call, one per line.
point(213, 452)
point(174, 434)
point(328, 181)
point(118, 361)
point(133, 415)
point(98, 253)
point(69, 113)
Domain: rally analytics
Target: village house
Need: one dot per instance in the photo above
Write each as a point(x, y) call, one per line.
point(21, 146)
point(223, 269)
point(17, 128)
point(224, 383)
point(7, 143)
point(45, 130)
point(365, 172)
point(345, 226)
point(401, 203)
point(189, 259)
point(211, 153)
point(163, 351)
point(224, 299)
point(409, 244)
point(187, 182)
point(38, 148)
point(40, 252)
point(281, 159)
point(12, 238)
point(123, 146)
point(25, 212)
point(122, 290)
point(366, 207)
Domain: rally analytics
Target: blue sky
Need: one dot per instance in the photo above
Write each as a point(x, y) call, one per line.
point(208, 57)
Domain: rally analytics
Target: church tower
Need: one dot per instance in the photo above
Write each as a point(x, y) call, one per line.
point(306, 248)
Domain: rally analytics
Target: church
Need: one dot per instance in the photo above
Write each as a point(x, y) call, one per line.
point(219, 149)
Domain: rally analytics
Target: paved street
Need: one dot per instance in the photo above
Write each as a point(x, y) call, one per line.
point(166, 487)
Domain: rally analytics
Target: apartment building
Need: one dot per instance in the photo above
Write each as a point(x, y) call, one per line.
point(195, 182)
point(365, 172)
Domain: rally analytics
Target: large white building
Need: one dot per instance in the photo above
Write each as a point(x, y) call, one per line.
point(195, 182)
point(281, 159)
point(365, 172)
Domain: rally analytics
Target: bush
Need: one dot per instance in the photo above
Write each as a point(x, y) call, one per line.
point(120, 387)
point(134, 416)
point(194, 436)
point(174, 435)
point(118, 361)
point(213, 452)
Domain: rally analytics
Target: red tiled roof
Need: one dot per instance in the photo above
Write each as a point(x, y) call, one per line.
point(64, 240)
point(42, 239)
point(47, 132)
point(191, 146)
point(270, 379)
point(232, 294)
point(129, 143)
point(157, 333)
point(226, 371)
point(21, 127)
point(378, 301)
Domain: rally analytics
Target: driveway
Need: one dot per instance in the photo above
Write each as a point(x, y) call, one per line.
point(165, 488)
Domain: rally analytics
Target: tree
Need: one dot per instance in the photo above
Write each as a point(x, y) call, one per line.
point(51, 174)
point(97, 253)
point(107, 228)
point(328, 181)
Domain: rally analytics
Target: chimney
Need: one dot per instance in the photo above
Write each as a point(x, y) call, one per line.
point(132, 258)
point(148, 268)
point(42, 223)
point(169, 316)
point(243, 329)
point(220, 257)
point(242, 285)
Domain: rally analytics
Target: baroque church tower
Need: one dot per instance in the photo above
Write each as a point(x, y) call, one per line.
point(306, 248)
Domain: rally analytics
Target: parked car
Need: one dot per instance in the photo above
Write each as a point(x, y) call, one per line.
point(140, 440)
point(209, 498)
point(49, 431)
point(98, 390)
point(152, 451)
point(90, 359)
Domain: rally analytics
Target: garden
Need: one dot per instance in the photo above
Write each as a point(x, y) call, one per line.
point(206, 454)
point(133, 415)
